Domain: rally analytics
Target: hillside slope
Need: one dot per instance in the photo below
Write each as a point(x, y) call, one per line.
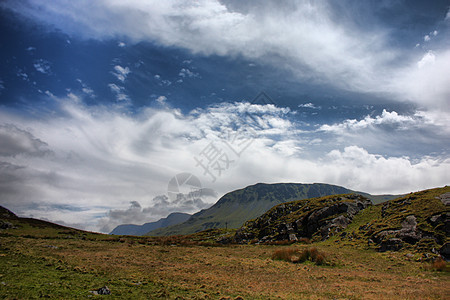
point(131, 229)
point(236, 207)
point(418, 221)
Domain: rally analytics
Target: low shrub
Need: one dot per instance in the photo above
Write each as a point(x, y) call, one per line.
point(304, 240)
point(285, 254)
point(279, 243)
point(296, 256)
point(439, 265)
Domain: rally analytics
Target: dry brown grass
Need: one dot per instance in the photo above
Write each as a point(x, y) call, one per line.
point(299, 256)
point(439, 265)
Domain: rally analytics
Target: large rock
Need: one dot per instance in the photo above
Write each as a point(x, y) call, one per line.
point(445, 251)
point(393, 244)
point(408, 233)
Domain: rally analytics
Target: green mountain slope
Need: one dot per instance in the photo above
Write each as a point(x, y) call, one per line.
point(236, 207)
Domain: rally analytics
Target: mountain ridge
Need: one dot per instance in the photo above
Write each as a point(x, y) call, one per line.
point(241, 205)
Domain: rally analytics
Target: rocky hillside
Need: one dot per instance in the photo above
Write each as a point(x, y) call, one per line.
point(418, 221)
point(315, 218)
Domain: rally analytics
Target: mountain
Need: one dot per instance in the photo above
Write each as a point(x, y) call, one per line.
point(234, 208)
point(130, 229)
point(418, 221)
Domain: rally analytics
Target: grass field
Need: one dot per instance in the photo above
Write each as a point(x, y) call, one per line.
point(37, 261)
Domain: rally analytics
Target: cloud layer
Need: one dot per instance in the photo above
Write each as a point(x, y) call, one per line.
point(317, 40)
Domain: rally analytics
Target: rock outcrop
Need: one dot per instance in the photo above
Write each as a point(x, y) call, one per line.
point(317, 218)
point(418, 221)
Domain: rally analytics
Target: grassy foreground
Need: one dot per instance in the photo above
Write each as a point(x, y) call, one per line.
point(38, 261)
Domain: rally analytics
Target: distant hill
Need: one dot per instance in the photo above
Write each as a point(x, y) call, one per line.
point(8, 220)
point(236, 207)
point(6, 213)
point(130, 229)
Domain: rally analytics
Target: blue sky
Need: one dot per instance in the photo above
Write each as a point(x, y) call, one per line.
point(103, 103)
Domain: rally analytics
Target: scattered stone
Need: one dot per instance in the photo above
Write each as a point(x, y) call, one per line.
point(6, 225)
point(102, 291)
point(293, 237)
point(51, 246)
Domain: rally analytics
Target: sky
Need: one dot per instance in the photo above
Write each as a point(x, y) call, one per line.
point(121, 112)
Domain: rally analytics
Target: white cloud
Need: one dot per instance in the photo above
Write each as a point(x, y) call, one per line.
point(428, 58)
point(309, 105)
point(43, 66)
point(121, 73)
point(426, 38)
point(360, 168)
point(427, 81)
point(386, 118)
point(185, 72)
point(162, 82)
point(86, 89)
point(121, 44)
point(161, 100)
point(119, 92)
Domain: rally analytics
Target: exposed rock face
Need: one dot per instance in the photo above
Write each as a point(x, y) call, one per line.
point(442, 222)
point(445, 251)
point(318, 217)
point(445, 198)
point(393, 244)
point(408, 233)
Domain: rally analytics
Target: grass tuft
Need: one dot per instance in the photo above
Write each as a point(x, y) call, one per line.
point(296, 256)
point(439, 265)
